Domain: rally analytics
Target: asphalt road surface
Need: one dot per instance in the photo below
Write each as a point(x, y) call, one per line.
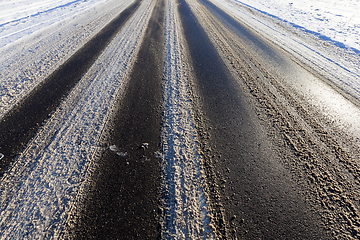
point(177, 121)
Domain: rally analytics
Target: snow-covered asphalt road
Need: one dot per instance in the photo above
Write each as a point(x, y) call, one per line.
point(174, 119)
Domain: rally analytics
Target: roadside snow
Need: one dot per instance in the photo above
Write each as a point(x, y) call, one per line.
point(19, 19)
point(337, 21)
point(15, 10)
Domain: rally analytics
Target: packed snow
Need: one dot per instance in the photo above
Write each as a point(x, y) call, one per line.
point(185, 206)
point(335, 20)
point(335, 23)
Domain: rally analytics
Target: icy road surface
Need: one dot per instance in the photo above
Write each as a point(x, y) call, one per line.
point(179, 119)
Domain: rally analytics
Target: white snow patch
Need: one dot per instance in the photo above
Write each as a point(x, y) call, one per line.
point(185, 210)
point(117, 150)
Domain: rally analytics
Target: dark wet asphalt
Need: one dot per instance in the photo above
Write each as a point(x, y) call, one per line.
point(124, 201)
point(247, 36)
point(262, 196)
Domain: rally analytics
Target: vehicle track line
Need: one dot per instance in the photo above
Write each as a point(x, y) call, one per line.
point(20, 124)
point(317, 158)
point(45, 186)
point(261, 200)
point(123, 199)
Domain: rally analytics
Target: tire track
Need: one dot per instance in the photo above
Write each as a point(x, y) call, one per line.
point(250, 77)
point(41, 190)
point(315, 157)
point(121, 195)
point(19, 125)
